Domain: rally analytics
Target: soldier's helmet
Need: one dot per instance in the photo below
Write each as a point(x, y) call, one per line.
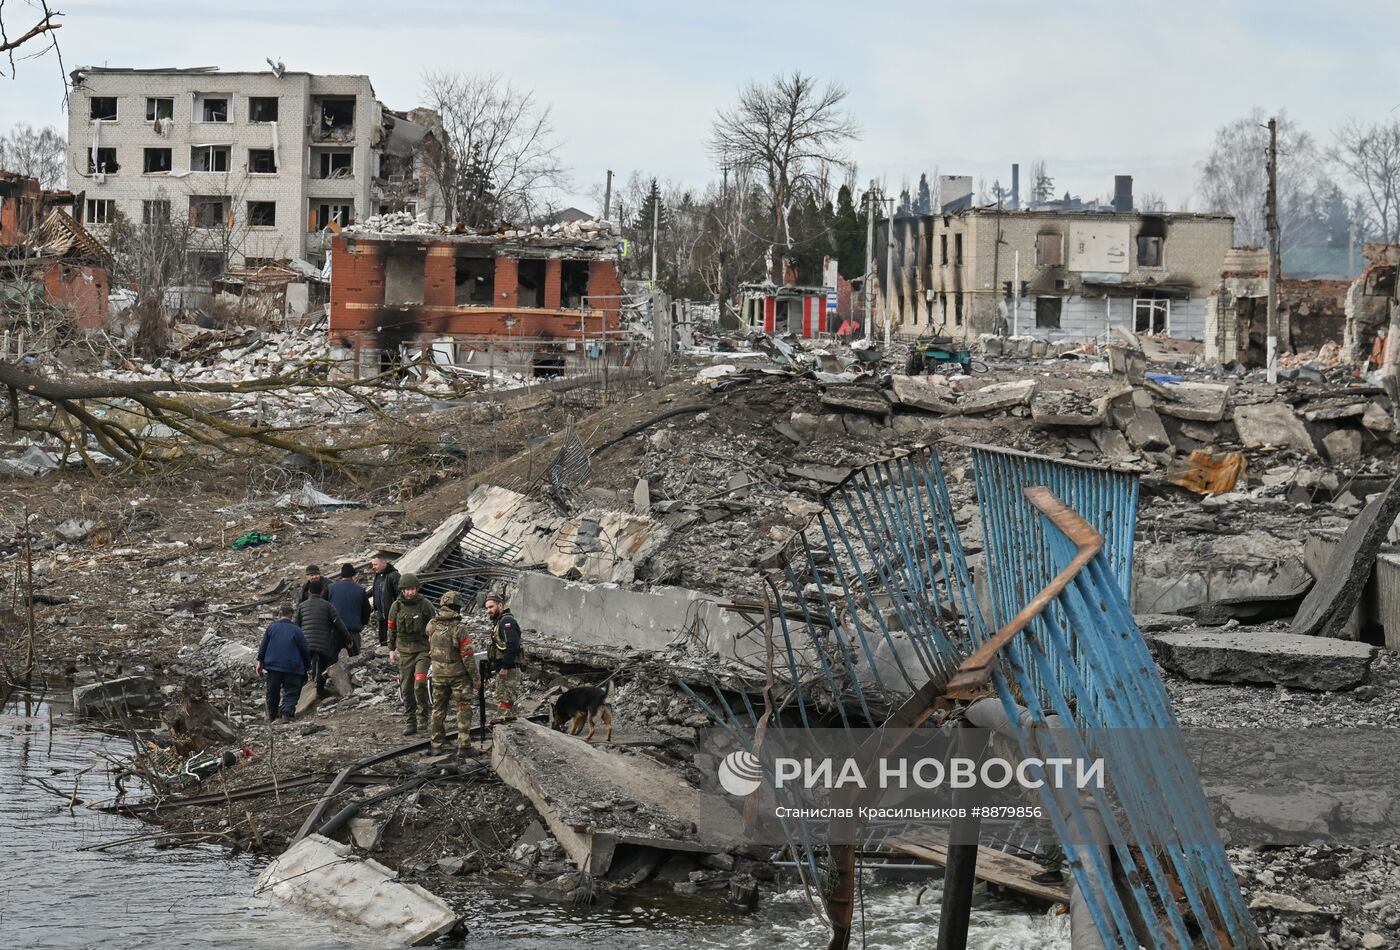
point(448, 599)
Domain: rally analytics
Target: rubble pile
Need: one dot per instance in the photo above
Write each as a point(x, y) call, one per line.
point(404, 222)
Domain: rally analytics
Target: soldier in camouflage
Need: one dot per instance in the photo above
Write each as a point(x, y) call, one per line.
point(455, 674)
point(408, 647)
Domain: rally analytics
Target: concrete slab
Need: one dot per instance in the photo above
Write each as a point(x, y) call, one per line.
point(929, 393)
point(426, 555)
point(1245, 655)
point(1140, 425)
point(575, 786)
point(1175, 577)
point(1343, 447)
point(1338, 407)
point(115, 695)
point(1327, 608)
point(1388, 598)
point(1068, 407)
point(325, 878)
point(1272, 424)
point(856, 398)
point(997, 396)
point(1200, 402)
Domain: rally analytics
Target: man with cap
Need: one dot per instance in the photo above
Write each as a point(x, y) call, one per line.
point(313, 574)
point(383, 592)
point(408, 647)
point(455, 674)
point(504, 653)
point(351, 602)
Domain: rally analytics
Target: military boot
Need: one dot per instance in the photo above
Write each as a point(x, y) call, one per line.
point(411, 729)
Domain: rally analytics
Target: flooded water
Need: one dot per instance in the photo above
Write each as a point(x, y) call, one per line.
point(57, 895)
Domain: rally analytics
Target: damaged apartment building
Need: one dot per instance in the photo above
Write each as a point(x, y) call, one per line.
point(1061, 271)
point(47, 256)
point(265, 166)
point(536, 305)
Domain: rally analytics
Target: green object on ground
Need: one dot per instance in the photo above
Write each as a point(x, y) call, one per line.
point(251, 540)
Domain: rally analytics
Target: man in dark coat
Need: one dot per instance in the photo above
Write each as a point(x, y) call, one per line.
point(383, 592)
point(313, 574)
point(283, 657)
point(352, 603)
point(325, 631)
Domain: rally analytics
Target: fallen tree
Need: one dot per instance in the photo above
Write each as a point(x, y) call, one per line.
point(125, 417)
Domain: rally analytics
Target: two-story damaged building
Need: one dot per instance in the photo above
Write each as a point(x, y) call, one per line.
point(532, 304)
point(265, 166)
point(1052, 274)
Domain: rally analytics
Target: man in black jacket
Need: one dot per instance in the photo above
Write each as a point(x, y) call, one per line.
point(313, 574)
point(503, 653)
point(325, 631)
point(352, 603)
point(383, 592)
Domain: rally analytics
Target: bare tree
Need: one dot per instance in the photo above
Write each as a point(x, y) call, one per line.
point(1233, 179)
point(1149, 202)
point(1370, 157)
point(1042, 185)
point(499, 157)
point(39, 35)
point(791, 131)
point(40, 154)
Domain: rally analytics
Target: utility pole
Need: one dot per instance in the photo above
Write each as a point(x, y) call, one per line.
point(1271, 222)
point(723, 241)
point(869, 289)
point(655, 226)
point(607, 198)
point(889, 271)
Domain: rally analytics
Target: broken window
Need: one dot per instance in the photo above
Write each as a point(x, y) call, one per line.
point(155, 211)
point(262, 108)
point(958, 309)
point(213, 109)
point(548, 361)
point(475, 281)
point(262, 161)
point(405, 277)
point(1151, 315)
point(1047, 312)
point(103, 107)
point(209, 158)
point(530, 291)
point(1050, 249)
point(573, 284)
point(105, 161)
point(335, 117)
point(156, 160)
point(943, 249)
point(337, 164)
point(206, 266)
point(159, 108)
point(324, 213)
point(957, 249)
point(262, 214)
point(207, 211)
point(101, 211)
point(1149, 251)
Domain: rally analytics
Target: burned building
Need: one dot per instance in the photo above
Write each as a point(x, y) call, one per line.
point(1312, 312)
point(534, 304)
point(786, 309)
point(21, 207)
point(1050, 273)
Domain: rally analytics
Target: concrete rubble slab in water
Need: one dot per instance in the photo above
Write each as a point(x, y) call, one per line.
point(324, 877)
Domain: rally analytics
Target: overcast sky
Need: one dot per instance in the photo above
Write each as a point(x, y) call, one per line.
point(1093, 87)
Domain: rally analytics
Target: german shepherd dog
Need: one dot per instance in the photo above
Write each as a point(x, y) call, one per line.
point(583, 704)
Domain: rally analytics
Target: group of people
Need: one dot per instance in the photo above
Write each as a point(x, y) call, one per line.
point(429, 644)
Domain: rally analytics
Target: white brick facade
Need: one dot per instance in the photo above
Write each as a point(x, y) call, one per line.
point(293, 190)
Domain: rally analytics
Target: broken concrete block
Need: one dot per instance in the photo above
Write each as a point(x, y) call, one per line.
point(1244, 655)
point(929, 393)
point(1272, 424)
point(220, 657)
point(324, 877)
point(1140, 425)
point(1343, 447)
point(740, 484)
point(641, 496)
point(812, 427)
point(1339, 407)
point(75, 530)
point(865, 428)
point(826, 474)
point(1377, 418)
point(1297, 812)
point(1201, 402)
point(1068, 407)
point(856, 398)
point(1326, 609)
point(1017, 392)
point(366, 833)
point(110, 697)
point(1111, 444)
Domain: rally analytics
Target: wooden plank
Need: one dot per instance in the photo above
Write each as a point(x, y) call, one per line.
point(995, 867)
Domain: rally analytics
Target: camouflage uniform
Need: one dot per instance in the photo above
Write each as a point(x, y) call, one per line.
point(408, 634)
point(454, 671)
point(504, 654)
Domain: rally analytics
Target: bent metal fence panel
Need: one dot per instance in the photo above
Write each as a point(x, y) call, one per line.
point(874, 601)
